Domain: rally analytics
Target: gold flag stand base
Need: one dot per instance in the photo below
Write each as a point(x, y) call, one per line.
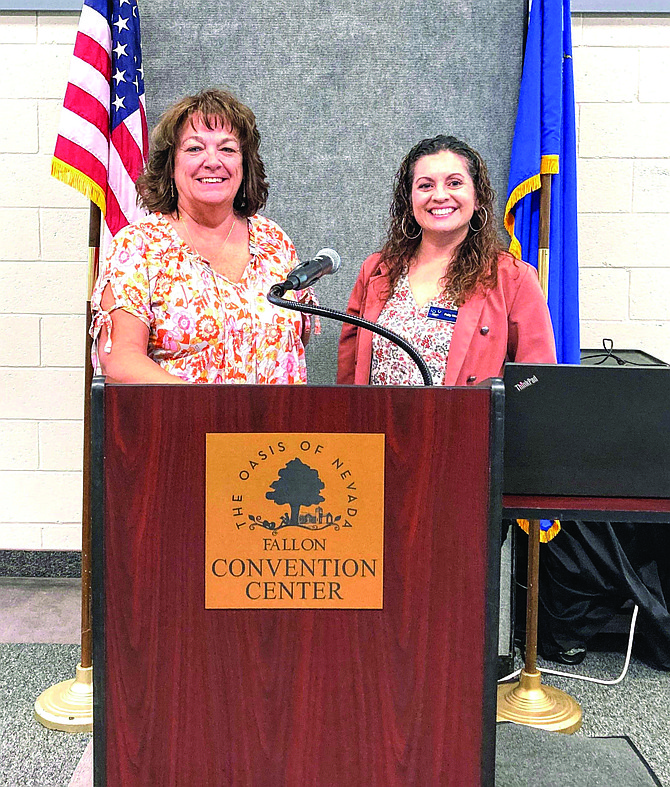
point(529, 702)
point(68, 706)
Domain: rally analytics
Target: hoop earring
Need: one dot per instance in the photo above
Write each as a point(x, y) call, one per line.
point(483, 224)
point(404, 230)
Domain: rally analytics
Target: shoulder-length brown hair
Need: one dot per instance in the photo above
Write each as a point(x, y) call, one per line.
point(155, 186)
point(475, 263)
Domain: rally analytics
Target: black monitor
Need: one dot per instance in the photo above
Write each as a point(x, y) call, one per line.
point(601, 431)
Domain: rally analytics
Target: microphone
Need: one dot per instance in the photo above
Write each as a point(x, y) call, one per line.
point(303, 275)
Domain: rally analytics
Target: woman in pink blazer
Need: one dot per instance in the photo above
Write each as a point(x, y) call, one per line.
point(444, 282)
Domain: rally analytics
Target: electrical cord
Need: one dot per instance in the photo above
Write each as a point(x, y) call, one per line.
point(608, 348)
point(602, 682)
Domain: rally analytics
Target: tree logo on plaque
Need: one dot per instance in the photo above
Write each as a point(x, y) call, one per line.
point(298, 485)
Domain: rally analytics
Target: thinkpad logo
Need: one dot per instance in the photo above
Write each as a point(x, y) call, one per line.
point(526, 383)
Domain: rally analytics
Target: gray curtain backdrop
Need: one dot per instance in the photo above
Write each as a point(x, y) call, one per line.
point(341, 91)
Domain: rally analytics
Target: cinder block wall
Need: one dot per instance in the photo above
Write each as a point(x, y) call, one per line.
point(43, 252)
point(623, 96)
point(622, 89)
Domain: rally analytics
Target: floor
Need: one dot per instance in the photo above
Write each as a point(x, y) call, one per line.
point(40, 610)
point(47, 611)
point(40, 643)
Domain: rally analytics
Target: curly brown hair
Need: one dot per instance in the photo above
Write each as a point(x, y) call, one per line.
point(155, 186)
point(475, 263)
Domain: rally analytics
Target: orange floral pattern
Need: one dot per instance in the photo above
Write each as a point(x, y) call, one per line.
point(202, 327)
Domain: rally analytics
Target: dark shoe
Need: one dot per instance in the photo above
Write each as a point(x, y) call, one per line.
point(572, 656)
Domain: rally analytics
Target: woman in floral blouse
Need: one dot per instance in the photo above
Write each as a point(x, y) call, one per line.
point(444, 282)
point(182, 294)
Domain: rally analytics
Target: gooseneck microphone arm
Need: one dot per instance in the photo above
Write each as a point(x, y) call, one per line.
point(275, 296)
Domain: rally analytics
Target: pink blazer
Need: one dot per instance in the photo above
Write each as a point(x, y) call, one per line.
point(509, 322)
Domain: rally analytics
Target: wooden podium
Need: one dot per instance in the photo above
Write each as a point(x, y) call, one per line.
point(398, 696)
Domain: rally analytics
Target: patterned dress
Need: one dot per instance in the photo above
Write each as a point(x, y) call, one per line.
point(203, 327)
point(428, 335)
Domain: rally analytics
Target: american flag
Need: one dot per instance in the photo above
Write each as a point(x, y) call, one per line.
point(102, 141)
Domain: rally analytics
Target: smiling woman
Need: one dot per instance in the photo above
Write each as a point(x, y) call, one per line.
point(182, 294)
point(444, 282)
point(443, 196)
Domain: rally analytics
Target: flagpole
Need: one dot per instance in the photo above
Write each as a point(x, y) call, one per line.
point(527, 701)
point(86, 605)
point(543, 233)
point(68, 706)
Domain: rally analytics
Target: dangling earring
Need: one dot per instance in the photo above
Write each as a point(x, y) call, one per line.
point(241, 199)
point(483, 224)
point(403, 229)
point(172, 190)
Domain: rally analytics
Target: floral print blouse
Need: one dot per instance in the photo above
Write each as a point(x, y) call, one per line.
point(430, 336)
point(202, 327)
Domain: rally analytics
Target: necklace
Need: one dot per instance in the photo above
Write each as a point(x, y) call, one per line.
point(190, 240)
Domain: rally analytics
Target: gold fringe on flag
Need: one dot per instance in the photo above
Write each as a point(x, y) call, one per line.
point(545, 535)
point(548, 166)
point(73, 177)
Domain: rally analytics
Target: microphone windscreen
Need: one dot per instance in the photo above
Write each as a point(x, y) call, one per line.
point(332, 255)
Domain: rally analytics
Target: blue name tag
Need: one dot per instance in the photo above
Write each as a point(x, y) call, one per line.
point(439, 313)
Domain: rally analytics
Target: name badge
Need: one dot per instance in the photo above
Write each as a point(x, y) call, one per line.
point(440, 313)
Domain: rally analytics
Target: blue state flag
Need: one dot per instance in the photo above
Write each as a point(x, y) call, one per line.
point(545, 142)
